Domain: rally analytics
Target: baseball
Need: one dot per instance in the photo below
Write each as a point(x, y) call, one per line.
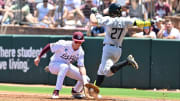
point(91, 90)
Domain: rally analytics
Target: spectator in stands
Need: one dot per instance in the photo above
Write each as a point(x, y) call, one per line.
point(72, 13)
point(71, 7)
point(169, 32)
point(137, 10)
point(158, 24)
point(99, 30)
point(58, 17)
point(176, 6)
point(103, 8)
point(96, 31)
point(147, 33)
point(124, 4)
point(6, 6)
point(150, 7)
point(97, 2)
point(2, 3)
point(18, 13)
point(32, 5)
point(1, 8)
point(121, 2)
point(162, 9)
point(86, 11)
point(9, 3)
point(43, 13)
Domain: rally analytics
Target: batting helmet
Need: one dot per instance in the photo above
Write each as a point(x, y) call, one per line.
point(78, 36)
point(114, 10)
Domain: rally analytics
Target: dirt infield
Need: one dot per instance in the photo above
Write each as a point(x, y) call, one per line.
point(19, 96)
point(14, 96)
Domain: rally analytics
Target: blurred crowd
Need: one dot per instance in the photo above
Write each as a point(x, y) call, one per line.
point(76, 13)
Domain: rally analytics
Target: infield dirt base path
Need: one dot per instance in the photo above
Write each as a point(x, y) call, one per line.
point(20, 96)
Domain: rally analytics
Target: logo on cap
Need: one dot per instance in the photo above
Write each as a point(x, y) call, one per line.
point(78, 36)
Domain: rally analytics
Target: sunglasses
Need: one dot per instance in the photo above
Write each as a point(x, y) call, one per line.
point(77, 42)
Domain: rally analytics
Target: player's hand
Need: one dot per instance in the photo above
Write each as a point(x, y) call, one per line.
point(142, 24)
point(36, 61)
point(94, 10)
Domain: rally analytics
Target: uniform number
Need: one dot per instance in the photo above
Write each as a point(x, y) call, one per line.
point(116, 33)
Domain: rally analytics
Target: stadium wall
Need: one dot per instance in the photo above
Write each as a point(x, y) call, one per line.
point(159, 61)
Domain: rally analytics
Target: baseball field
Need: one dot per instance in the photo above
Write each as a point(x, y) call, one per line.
point(21, 92)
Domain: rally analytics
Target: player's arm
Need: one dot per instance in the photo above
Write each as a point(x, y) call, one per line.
point(160, 33)
point(82, 71)
point(169, 37)
point(93, 20)
point(45, 50)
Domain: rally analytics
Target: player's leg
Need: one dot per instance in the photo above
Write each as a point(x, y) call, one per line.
point(104, 71)
point(106, 63)
point(129, 61)
point(74, 73)
point(59, 69)
point(100, 77)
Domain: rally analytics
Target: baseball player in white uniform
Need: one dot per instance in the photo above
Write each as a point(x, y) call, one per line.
point(65, 53)
point(116, 29)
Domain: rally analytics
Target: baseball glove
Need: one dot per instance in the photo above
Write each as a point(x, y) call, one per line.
point(92, 86)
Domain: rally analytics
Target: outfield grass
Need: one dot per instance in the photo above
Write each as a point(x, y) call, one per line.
point(121, 92)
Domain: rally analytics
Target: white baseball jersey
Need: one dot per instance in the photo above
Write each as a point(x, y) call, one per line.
point(61, 66)
point(63, 52)
point(116, 28)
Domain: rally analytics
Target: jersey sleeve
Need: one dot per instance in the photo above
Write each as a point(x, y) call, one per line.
point(56, 46)
point(77, 3)
point(80, 61)
point(175, 33)
point(117, 22)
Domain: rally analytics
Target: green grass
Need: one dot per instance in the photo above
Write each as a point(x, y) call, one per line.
point(121, 92)
point(139, 93)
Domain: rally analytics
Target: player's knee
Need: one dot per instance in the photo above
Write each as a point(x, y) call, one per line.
point(64, 65)
point(109, 63)
point(106, 69)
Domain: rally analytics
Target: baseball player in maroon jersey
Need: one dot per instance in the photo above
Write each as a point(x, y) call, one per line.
point(65, 53)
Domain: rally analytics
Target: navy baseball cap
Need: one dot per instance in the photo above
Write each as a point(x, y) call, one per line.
point(78, 36)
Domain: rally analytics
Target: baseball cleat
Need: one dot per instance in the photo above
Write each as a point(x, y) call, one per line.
point(77, 95)
point(55, 94)
point(131, 61)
